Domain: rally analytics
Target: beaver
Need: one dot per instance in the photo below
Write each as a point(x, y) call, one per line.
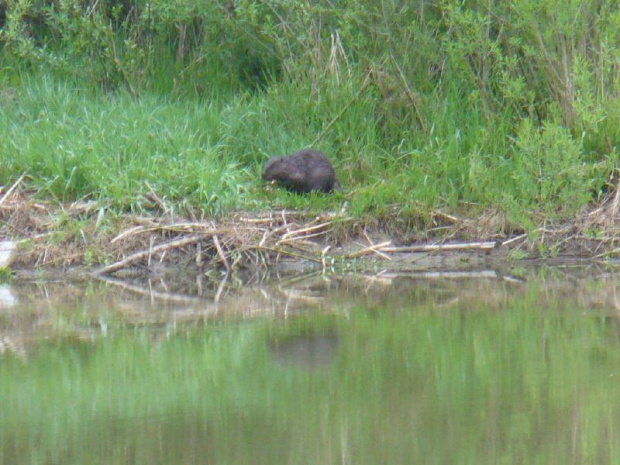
point(305, 171)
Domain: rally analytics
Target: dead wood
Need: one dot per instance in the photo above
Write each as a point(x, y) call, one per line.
point(46, 238)
point(145, 253)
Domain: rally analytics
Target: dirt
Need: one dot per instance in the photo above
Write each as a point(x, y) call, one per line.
point(81, 238)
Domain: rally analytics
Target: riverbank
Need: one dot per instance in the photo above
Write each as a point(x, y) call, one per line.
point(54, 237)
point(137, 138)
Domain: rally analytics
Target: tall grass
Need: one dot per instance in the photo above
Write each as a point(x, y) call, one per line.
point(419, 104)
point(117, 149)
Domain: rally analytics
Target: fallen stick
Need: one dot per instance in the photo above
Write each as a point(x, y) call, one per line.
point(381, 254)
point(300, 238)
point(383, 248)
point(613, 208)
point(323, 262)
point(514, 239)
point(373, 248)
point(220, 253)
point(198, 254)
point(128, 232)
point(454, 219)
point(145, 253)
point(156, 198)
point(12, 188)
point(269, 233)
point(304, 230)
point(220, 288)
point(300, 244)
point(175, 227)
point(186, 227)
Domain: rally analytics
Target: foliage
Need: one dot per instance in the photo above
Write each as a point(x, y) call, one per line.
point(509, 105)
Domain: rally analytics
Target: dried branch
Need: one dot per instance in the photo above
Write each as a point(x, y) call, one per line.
point(373, 248)
point(385, 248)
point(301, 231)
point(12, 189)
point(145, 253)
point(220, 253)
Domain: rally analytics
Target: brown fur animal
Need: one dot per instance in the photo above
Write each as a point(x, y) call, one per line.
point(305, 171)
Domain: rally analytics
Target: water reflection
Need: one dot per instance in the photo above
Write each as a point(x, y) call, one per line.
point(7, 297)
point(30, 311)
point(480, 367)
point(306, 351)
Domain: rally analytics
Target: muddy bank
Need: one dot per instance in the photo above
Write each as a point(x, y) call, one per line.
point(86, 237)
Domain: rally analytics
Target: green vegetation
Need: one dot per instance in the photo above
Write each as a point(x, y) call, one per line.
point(6, 275)
point(510, 107)
point(534, 382)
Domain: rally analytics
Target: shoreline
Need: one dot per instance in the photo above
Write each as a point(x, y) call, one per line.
point(78, 239)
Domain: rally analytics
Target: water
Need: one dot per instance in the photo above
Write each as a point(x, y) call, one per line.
point(467, 368)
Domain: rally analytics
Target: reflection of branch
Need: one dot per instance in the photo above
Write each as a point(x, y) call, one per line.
point(220, 288)
point(165, 296)
point(291, 254)
point(441, 274)
point(301, 277)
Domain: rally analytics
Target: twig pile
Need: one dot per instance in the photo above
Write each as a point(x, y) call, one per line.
point(233, 242)
point(51, 234)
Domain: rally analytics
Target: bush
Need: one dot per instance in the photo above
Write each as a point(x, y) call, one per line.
point(462, 101)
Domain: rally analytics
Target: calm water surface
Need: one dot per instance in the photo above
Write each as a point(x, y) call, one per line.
point(451, 368)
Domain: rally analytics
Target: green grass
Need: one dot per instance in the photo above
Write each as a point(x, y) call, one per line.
point(206, 155)
point(111, 148)
point(460, 107)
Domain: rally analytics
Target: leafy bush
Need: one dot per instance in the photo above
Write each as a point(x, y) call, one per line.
point(487, 102)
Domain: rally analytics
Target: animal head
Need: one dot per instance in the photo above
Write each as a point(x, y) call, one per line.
point(271, 170)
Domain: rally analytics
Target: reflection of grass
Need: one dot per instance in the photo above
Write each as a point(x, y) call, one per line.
point(461, 386)
point(6, 275)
